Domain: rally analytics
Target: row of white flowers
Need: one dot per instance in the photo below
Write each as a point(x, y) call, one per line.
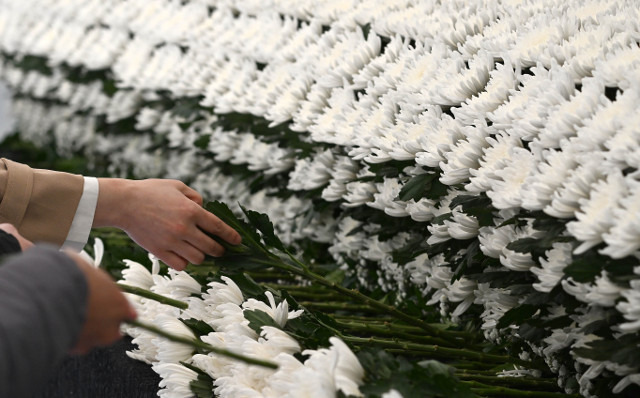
point(498, 99)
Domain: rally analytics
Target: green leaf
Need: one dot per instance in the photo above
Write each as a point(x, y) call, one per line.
point(257, 319)
point(263, 224)
point(187, 107)
point(583, 270)
point(517, 315)
point(198, 327)
point(441, 218)
point(437, 190)
point(109, 87)
point(249, 234)
point(416, 187)
point(202, 141)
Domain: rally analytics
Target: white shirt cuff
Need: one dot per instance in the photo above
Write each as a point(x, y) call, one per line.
point(83, 220)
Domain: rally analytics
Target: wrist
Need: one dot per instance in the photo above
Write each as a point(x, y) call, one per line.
point(113, 198)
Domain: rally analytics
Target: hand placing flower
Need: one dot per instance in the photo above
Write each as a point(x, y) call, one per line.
point(163, 216)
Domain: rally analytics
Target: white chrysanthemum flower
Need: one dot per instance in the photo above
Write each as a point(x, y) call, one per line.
point(630, 308)
point(312, 173)
point(576, 289)
point(222, 293)
point(168, 351)
point(496, 302)
point(551, 268)
point(348, 239)
point(461, 226)
point(392, 394)
point(625, 382)
point(596, 213)
point(506, 188)
point(421, 211)
point(176, 380)
point(293, 380)
point(98, 253)
point(371, 125)
point(68, 40)
point(565, 201)
point(537, 35)
point(567, 117)
point(138, 275)
point(359, 193)
point(548, 176)
point(280, 313)
point(310, 109)
point(339, 361)
point(454, 83)
point(385, 198)
point(218, 366)
point(465, 155)
point(123, 104)
point(604, 292)
point(502, 81)
point(278, 341)
point(496, 156)
point(614, 68)
point(623, 238)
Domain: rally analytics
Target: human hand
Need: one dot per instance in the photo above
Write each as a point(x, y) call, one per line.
point(165, 217)
point(107, 308)
point(10, 229)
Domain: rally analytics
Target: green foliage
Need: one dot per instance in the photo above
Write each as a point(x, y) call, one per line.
point(198, 327)
point(264, 225)
point(202, 387)
point(425, 379)
point(257, 319)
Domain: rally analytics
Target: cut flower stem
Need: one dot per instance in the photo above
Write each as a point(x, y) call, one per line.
point(207, 348)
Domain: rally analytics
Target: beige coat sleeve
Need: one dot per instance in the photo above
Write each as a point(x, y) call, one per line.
point(40, 203)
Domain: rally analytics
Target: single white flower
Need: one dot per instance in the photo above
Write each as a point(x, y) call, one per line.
point(176, 380)
point(506, 189)
point(168, 351)
point(339, 361)
point(596, 212)
point(623, 238)
point(280, 313)
point(392, 394)
point(551, 268)
point(625, 382)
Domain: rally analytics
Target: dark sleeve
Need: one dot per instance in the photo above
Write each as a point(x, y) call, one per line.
point(8, 244)
point(43, 297)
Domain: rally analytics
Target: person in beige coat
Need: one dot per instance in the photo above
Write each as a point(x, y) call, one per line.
point(53, 302)
point(165, 217)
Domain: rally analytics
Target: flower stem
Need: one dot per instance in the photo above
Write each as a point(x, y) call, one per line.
point(509, 381)
point(303, 270)
point(385, 331)
point(336, 306)
point(504, 392)
point(203, 346)
point(153, 296)
point(436, 350)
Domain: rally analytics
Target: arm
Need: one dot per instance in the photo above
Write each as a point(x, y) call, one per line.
point(40, 203)
point(52, 303)
point(165, 217)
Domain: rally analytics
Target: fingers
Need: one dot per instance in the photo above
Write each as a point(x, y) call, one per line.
point(210, 223)
point(192, 194)
point(172, 259)
point(204, 244)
